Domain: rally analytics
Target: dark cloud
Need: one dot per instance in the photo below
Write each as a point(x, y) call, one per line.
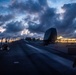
point(8, 35)
point(66, 26)
point(43, 2)
point(30, 6)
point(36, 28)
point(70, 14)
point(41, 8)
point(47, 17)
point(1, 23)
point(45, 21)
point(4, 18)
point(14, 27)
point(45, 14)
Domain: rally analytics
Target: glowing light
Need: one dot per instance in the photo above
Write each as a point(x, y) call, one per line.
point(25, 31)
point(31, 34)
point(75, 31)
point(61, 17)
point(60, 37)
point(2, 29)
point(19, 17)
point(60, 11)
point(66, 40)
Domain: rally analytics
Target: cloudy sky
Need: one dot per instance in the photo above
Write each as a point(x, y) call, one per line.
point(34, 17)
